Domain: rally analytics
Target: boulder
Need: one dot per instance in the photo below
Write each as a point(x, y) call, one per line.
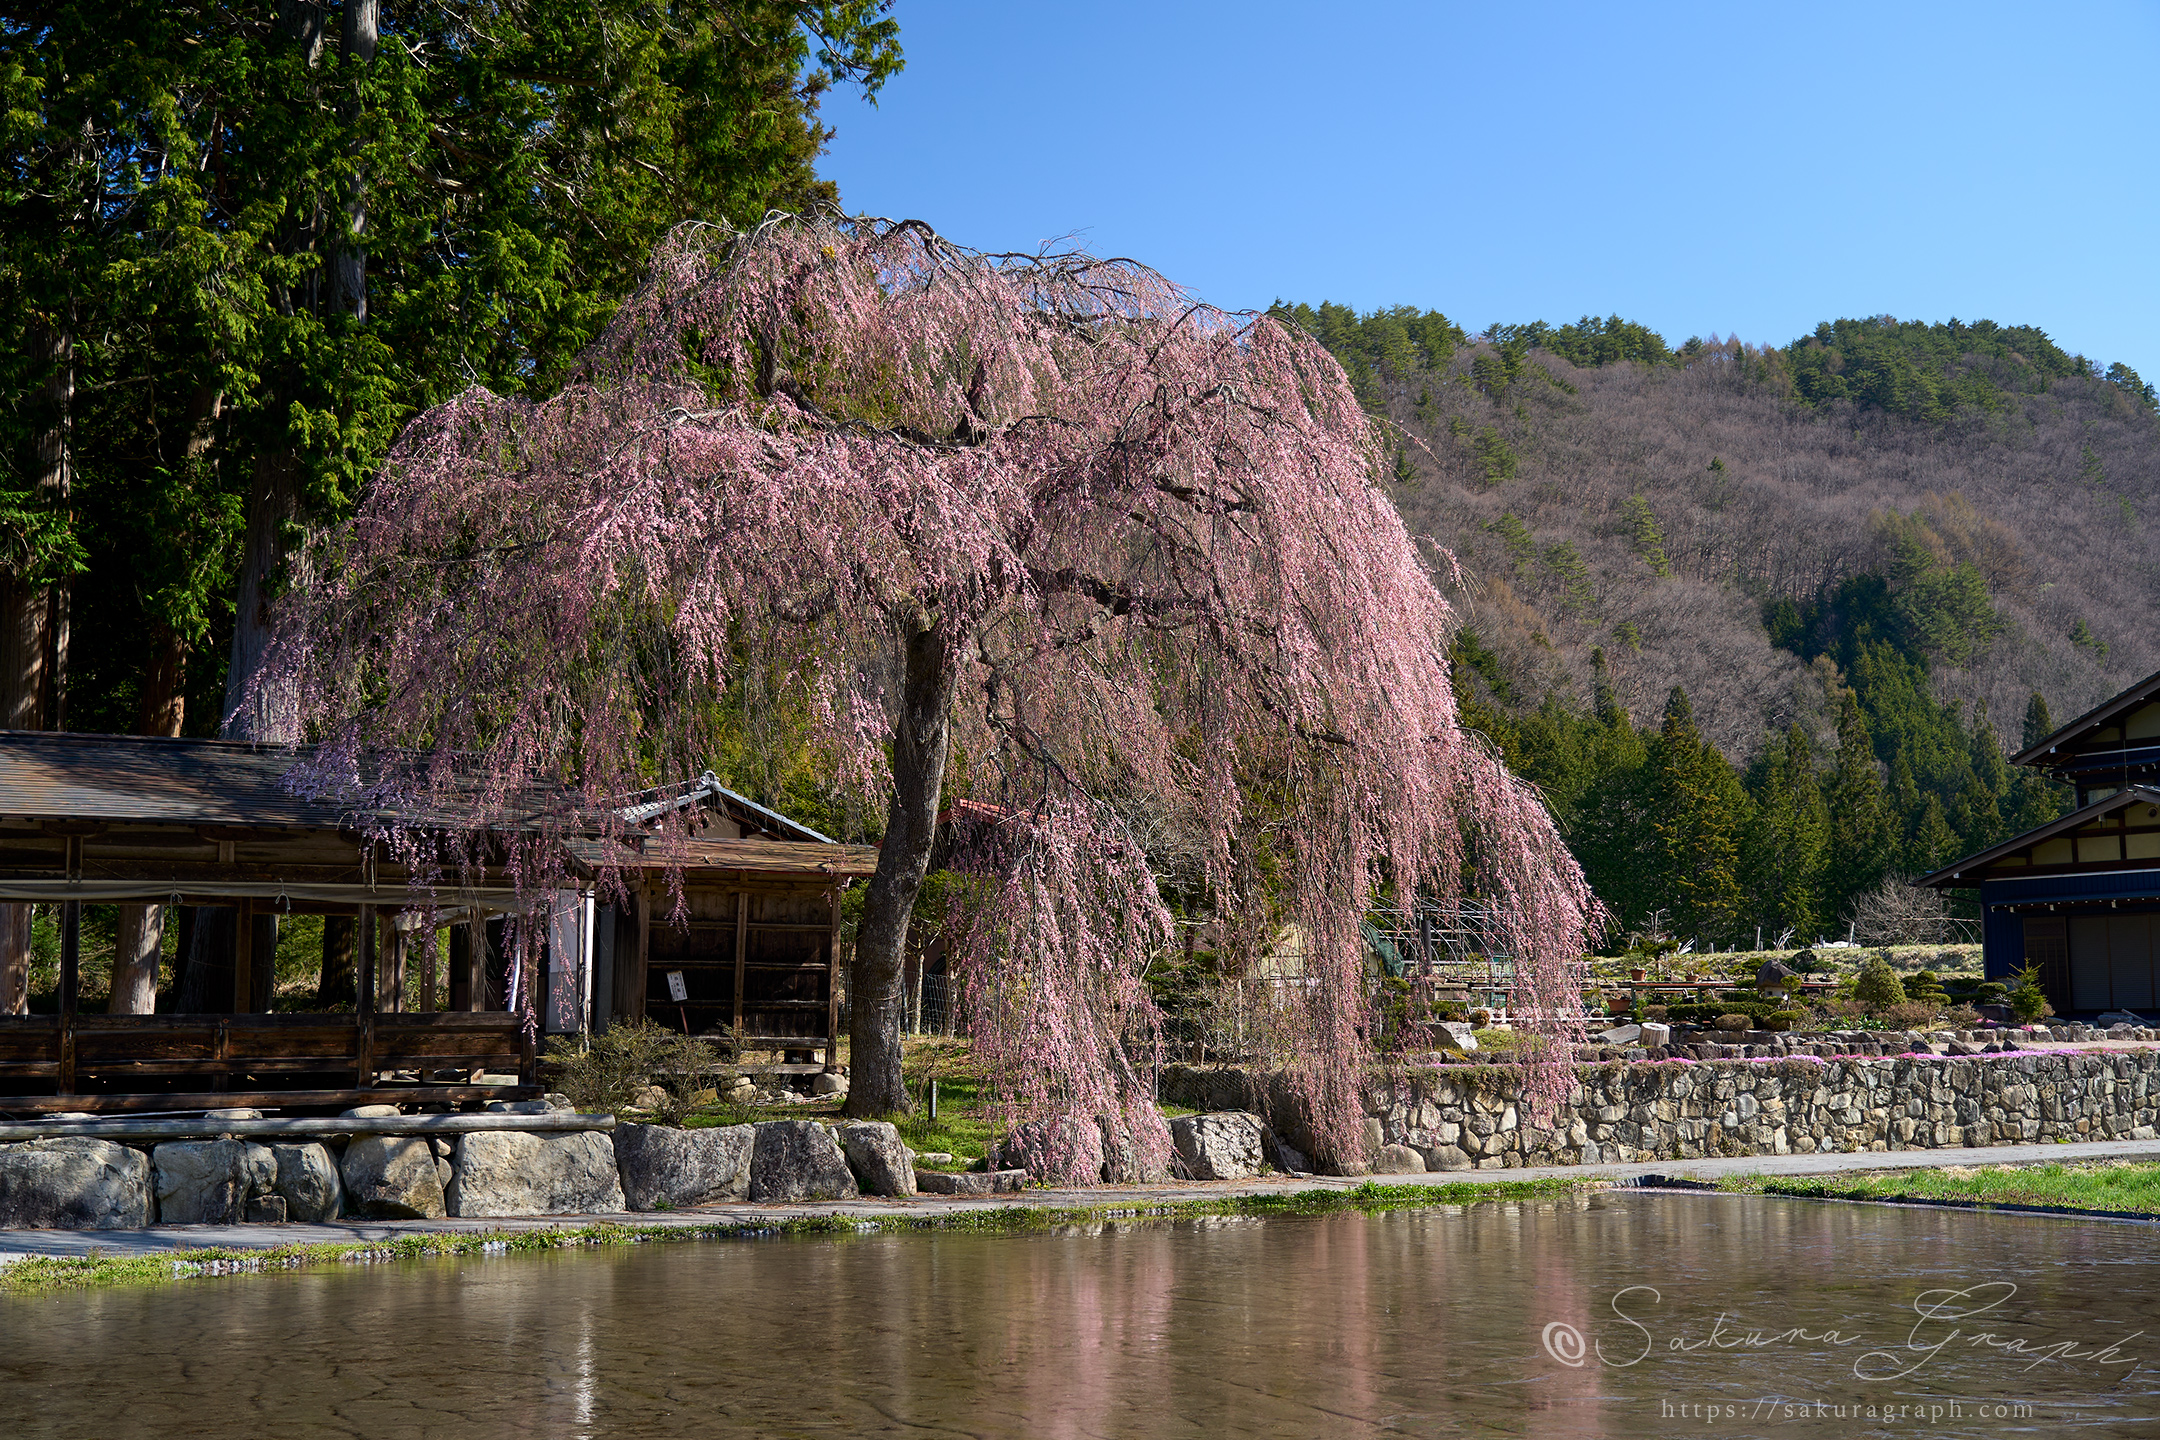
point(1620, 1035)
point(392, 1177)
point(307, 1181)
point(1398, 1160)
point(827, 1083)
point(792, 1160)
point(373, 1112)
point(663, 1168)
point(209, 1182)
point(515, 1172)
point(971, 1182)
point(1455, 1035)
point(1219, 1145)
point(1289, 1160)
point(73, 1183)
point(1773, 974)
point(875, 1153)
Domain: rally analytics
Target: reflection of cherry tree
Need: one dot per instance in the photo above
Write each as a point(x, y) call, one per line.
point(1043, 516)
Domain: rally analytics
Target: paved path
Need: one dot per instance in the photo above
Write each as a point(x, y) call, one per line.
point(15, 1244)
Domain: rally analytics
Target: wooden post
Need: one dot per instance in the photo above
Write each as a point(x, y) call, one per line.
point(364, 1001)
point(70, 987)
point(263, 985)
point(243, 963)
point(742, 956)
point(428, 949)
point(832, 985)
point(642, 970)
point(393, 964)
point(477, 961)
point(457, 969)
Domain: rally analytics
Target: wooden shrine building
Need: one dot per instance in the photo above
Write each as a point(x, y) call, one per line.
point(211, 830)
point(2079, 897)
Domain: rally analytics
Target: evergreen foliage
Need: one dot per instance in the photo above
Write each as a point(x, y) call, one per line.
point(1924, 371)
point(274, 242)
point(1878, 987)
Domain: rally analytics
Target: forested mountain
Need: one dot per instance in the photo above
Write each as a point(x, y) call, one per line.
point(1765, 620)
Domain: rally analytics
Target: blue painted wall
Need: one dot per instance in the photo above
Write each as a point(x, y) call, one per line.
point(2002, 932)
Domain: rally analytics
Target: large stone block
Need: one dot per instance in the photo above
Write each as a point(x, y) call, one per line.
point(971, 1182)
point(69, 1183)
point(878, 1157)
point(1398, 1160)
point(663, 1168)
point(793, 1160)
point(210, 1182)
point(307, 1179)
point(515, 1172)
point(1223, 1145)
point(391, 1177)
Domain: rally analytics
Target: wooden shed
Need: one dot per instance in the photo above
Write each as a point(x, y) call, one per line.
point(209, 833)
point(733, 939)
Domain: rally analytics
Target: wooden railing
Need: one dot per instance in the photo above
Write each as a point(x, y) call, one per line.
point(182, 1062)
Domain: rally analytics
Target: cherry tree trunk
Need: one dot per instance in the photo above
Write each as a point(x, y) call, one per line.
point(921, 742)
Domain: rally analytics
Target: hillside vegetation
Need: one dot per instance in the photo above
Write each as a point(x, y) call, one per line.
point(1765, 621)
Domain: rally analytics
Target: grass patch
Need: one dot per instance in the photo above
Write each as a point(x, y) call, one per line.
point(2120, 1186)
point(43, 1274)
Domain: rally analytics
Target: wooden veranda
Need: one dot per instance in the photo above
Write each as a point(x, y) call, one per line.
point(209, 831)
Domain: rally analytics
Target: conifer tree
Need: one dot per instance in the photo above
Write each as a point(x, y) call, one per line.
point(1861, 840)
point(1788, 837)
point(1933, 843)
point(2038, 725)
point(1697, 813)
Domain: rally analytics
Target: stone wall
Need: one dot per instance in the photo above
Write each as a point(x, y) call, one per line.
point(88, 1184)
point(1462, 1117)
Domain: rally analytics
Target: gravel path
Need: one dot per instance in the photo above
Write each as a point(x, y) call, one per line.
point(15, 1244)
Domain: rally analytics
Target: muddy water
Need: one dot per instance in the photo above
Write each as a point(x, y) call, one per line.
point(1438, 1322)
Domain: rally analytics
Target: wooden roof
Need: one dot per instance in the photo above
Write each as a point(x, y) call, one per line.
point(743, 857)
point(2121, 732)
point(48, 775)
point(2120, 832)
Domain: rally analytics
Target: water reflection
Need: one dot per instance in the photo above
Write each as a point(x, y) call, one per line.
point(1435, 1322)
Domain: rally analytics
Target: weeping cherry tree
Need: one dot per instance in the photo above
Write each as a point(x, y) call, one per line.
point(1040, 531)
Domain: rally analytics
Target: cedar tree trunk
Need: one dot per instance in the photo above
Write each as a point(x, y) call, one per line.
point(920, 743)
point(34, 624)
point(273, 513)
point(138, 941)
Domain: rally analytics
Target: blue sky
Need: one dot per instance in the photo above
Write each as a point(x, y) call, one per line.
point(1701, 168)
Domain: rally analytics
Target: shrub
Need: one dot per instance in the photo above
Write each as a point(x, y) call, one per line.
point(1924, 988)
point(616, 1065)
point(1912, 1015)
point(1736, 1022)
point(1878, 989)
point(2028, 1002)
point(1708, 1014)
point(1783, 1019)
